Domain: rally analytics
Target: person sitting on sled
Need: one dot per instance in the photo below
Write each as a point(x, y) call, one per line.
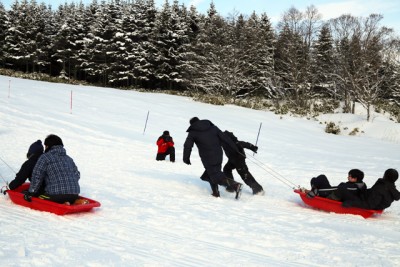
point(380, 196)
point(237, 160)
point(351, 189)
point(25, 173)
point(166, 147)
point(57, 171)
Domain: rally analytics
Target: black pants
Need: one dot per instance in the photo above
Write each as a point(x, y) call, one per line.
point(323, 186)
point(60, 198)
point(170, 151)
point(242, 170)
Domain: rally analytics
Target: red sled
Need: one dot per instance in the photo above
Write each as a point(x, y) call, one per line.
point(330, 205)
point(45, 205)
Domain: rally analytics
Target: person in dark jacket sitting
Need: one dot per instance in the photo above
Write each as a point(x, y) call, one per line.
point(207, 138)
point(166, 147)
point(57, 171)
point(237, 160)
point(380, 196)
point(351, 189)
point(25, 173)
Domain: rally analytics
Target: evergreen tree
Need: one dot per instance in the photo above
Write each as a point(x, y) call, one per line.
point(3, 31)
point(323, 65)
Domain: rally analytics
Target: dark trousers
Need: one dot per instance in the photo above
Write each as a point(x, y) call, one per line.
point(242, 170)
point(60, 198)
point(170, 151)
point(323, 186)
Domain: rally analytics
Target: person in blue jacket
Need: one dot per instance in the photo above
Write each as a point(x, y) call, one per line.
point(57, 171)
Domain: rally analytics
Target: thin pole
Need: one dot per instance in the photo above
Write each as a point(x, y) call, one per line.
point(145, 125)
point(9, 88)
point(259, 129)
point(71, 103)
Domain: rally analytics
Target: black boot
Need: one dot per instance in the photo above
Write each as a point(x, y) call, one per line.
point(215, 191)
point(237, 187)
point(257, 189)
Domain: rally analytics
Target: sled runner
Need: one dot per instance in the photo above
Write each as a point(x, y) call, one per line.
point(334, 206)
point(83, 204)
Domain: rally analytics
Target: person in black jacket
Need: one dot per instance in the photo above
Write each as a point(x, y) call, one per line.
point(25, 173)
point(237, 160)
point(208, 138)
point(380, 196)
point(351, 189)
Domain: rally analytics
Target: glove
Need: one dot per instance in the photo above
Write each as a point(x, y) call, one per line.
point(27, 196)
point(4, 192)
point(187, 161)
point(255, 148)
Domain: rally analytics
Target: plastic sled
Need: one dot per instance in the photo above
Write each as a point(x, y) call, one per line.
point(45, 205)
point(330, 205)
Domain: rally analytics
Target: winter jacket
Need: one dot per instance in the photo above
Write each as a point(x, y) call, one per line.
point(206, 136)
point(234, 148)
point(379, 196)
point(58, 171)
point(163, 143)
point(25, 172)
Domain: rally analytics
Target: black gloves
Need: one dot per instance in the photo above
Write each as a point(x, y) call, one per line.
point(187, 161)
point(254, 149)
point(27, 196)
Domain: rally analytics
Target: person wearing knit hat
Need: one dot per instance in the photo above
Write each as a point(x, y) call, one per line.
point(25, 173)
point(351, 189)
point(381, 195)
point(166, 147)
point(57, 172)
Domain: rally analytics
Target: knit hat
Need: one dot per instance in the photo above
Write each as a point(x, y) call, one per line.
point(193, 120)
point(52, 140)
point(165, 133)
point(355, 173)
point(35, 148)
point(391, 175)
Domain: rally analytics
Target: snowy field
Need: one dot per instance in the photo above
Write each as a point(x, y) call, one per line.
point(161, 213)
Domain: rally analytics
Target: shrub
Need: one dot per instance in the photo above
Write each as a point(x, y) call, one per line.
point(332, 128)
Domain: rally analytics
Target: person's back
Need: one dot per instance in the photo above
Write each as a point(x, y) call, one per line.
point(62, 175)
point(206, 136)
point(57, 171)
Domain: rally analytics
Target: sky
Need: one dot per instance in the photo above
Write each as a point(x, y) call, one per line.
point(390, 9)
point(158, 213)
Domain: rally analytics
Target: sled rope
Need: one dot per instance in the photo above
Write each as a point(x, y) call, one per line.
point(5, 182)
point(7, 164)
point(273, 173)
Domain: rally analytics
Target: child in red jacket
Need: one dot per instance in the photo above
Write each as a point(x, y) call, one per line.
point(166, 147)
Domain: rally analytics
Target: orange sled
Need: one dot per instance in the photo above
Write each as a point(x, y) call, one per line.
point(82, 204)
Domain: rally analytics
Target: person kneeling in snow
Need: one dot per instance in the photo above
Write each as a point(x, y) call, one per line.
point(166, 147)
point(380, 196)
point(349, 190)
point(57, 171)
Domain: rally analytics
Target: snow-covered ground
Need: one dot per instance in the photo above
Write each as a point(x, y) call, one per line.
point(161, 213)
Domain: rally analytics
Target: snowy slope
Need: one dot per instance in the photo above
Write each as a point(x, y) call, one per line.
point(161, 213)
